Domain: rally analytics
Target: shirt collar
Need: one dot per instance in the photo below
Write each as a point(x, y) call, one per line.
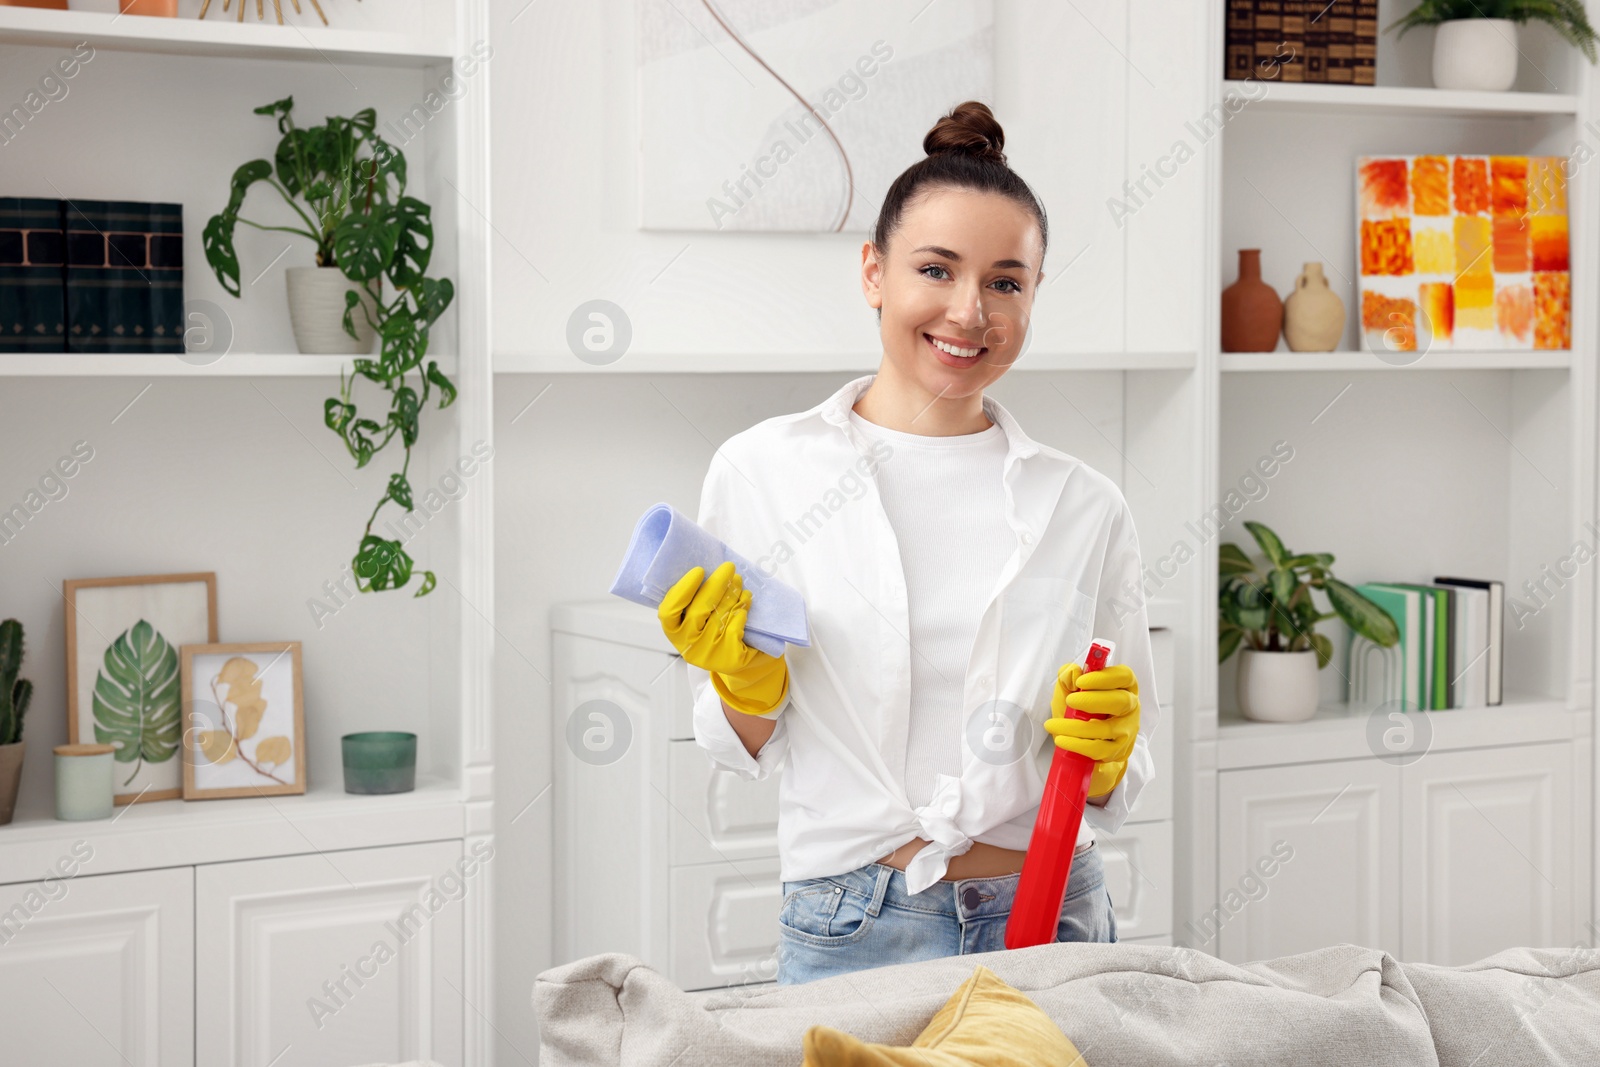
point(836, 410)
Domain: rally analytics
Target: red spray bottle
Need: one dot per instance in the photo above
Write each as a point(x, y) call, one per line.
point(1036, 910)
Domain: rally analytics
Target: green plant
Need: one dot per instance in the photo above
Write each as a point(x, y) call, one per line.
point(15, 693)
point(1567, 17)
point(358, 214)
point(1271, 607)
point(136, 697)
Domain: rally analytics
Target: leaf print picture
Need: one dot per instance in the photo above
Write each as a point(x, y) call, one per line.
point(124, 641)
point(244, 727)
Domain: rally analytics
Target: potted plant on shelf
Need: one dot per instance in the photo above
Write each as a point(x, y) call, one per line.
point(366, 230)
point(1475, 45)
point(14, 696)
point(1270, 611)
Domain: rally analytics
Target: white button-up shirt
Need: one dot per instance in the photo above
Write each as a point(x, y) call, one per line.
point(796, 495)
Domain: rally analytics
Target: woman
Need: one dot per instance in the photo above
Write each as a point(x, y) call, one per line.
point(953, 570)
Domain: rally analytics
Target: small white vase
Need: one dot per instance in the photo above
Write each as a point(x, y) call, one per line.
point(316, 310)
point(1278, 686)
point(1475, 54)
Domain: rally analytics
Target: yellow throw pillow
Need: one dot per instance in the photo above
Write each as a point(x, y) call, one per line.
point(986, 1024)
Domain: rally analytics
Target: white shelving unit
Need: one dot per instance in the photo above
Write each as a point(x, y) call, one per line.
point(170, 101)
point(1479, 463)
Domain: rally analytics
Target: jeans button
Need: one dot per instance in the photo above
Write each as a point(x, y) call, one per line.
point(971, 897)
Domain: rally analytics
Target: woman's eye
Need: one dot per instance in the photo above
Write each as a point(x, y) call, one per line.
point(1015, 288)
point(932, 266)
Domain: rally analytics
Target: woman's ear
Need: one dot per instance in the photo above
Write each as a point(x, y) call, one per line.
point(871, 277)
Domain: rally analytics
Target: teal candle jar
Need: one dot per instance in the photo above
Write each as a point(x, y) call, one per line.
point(379, 761)
point(83, 782)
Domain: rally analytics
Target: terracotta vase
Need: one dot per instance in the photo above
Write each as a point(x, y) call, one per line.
point(10, 778)
point(54, 5)
point(1252, 314)
point(1313, 316)
point(161, 8)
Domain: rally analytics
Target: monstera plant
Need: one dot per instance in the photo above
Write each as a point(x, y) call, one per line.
point(348, 186)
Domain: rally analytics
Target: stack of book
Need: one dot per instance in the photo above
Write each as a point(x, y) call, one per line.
point(1451, 648)
point(1334, 41)
point(90, 276)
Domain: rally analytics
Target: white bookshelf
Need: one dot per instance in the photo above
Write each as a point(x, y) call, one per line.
point(1476, 463)
point(170, 100)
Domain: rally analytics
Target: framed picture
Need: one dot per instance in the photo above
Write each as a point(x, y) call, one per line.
point(244, 724)
point(123, 636)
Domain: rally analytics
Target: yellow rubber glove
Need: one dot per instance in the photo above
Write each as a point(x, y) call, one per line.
point(1113, 693)
point(705, 623)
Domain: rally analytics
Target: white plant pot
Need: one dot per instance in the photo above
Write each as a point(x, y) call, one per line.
point(1475, 54)
point(1278, 686)
point(316, 310)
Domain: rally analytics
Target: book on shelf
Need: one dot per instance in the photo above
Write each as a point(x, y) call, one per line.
point(124, 277)
point(1450, 650)
point(1291, 52)
point(1340, 66)
point(1316, 20)
point(1240, 58)
point(33, 296)
point(1268, 38)
point(1365, 54)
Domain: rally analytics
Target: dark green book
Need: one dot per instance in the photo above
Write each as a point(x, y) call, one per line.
point(124, 276)
point(33, 309)
point(1442, 677)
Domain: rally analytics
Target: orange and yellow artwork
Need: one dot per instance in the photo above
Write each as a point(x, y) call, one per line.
point(1463, 252)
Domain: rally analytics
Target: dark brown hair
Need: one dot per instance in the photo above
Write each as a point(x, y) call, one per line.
point(965, 151)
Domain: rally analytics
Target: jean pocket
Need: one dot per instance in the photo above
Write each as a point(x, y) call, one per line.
point(824, 913)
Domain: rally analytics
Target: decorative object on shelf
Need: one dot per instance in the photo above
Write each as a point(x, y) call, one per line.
point(123, 636)
point(159, 8)
point(1313, 316)
point(53, 5)
point(261, 11)
point(1270, 610)
point(354, 182)
point(1475, 41)
point(244, 720)
point(1450, 653)
point(1252, 313)
point(1463, 252)
point(316, 311)
point(1302, 41)
point(15, 693)
point(379, 761)
point(91, 276)
point(83, 782)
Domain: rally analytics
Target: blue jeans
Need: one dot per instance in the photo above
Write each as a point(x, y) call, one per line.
point(866, 918)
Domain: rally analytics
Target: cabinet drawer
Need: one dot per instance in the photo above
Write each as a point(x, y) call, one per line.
point(724, 923)
point(718, 815)
point(1138, 864)
point(97, 970)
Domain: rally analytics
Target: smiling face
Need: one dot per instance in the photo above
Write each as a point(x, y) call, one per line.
point(962, 267)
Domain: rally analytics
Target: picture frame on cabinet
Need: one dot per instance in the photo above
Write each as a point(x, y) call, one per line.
point(243, 720)
point(123, 685)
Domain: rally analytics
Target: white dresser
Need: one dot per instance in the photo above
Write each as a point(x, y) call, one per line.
point(661, 854)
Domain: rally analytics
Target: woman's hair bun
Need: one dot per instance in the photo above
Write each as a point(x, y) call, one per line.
point(971, 129)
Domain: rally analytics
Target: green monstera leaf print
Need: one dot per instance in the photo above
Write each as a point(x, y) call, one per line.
point(136, 698)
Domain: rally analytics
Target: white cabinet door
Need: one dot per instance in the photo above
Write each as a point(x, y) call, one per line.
point(98, 970)
point(1488, 856)
point(718, 815)
point(334, 959)
point(1308, 856)
point(725, 923)
point(1138, 866)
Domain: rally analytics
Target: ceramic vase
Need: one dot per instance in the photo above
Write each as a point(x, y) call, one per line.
point(1475, 54)
point(1313, 316)
point(1278, 686)
point(1252, 313)
point(316, 311)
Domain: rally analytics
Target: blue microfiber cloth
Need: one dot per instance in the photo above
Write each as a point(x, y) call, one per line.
point(666, 544)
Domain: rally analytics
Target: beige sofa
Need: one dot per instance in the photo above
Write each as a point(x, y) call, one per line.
point(1122, 1005)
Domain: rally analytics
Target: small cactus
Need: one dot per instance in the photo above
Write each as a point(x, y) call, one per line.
point(14, 692)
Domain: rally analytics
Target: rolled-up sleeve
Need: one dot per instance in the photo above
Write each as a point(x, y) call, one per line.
point(724, 512)
point(1120, 615)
